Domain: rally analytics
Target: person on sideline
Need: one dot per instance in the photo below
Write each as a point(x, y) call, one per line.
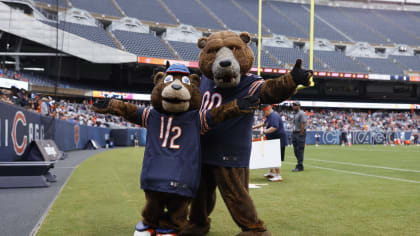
point(274, 129)
point(299, 135)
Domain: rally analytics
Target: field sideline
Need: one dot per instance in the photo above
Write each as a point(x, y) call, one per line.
point(358, 190)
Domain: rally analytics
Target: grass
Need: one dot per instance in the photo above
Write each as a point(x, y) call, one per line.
point(359, 190)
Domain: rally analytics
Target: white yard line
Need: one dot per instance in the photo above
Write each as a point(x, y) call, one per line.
point(362, 165)
point(364, 149)
point(361, 174)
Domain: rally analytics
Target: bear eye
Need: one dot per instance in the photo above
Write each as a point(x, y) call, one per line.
point(186, 80)
point(233, 47)
point(168, 79)
point(213, 50)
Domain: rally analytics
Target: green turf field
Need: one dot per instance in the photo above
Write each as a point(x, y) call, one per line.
point(359, 190)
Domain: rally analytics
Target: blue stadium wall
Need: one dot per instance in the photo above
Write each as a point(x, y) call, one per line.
point(18, 127)
point(357, 137)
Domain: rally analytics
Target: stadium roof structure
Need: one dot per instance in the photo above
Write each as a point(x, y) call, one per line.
point(350, 41)
point(25, 26)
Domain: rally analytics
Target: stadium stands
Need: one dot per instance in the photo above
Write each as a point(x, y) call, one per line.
point(187, 51)
point(103, 7)
point(412, 62)
point(188, 16)
point(282, 18)
point(232, 16)
point(384, 29)
point(266, 61)
point(276, 22)
point(297, 14)
point(92, 33)
point(402, 20)
point(339, 62)
point(148, 10)
point(381, 66)
point(337, 119)
point(351, 27)
point(288, 56)
point(143, 44)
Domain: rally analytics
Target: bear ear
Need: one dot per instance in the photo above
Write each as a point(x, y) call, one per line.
point(195, 79)
point(158, 77)
point(201, 42)
point(245, 37)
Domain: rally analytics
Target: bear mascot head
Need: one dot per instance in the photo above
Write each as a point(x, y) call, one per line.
point(225, 56)
point(176, 90)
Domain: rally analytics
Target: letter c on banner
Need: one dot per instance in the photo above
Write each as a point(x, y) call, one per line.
point(19, 149)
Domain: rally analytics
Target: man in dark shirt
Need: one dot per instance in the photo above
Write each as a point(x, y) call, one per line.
point(299, 135)
point(274, 129)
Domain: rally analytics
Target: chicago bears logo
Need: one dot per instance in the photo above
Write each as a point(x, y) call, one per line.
point(19, 148)
point(76, 135)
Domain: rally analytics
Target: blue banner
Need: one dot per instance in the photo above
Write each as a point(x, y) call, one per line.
point(356, 137)
point(18, 127)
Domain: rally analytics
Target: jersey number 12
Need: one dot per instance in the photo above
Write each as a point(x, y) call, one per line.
point(164, 134)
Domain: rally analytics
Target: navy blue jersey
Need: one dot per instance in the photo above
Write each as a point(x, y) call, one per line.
point(274, 120)
point(229, 143)
point(171, 161)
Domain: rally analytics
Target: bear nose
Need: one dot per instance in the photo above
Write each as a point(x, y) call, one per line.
point(225, 63)
point(176, 86)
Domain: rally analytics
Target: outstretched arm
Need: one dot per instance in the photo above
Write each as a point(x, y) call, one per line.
point(118, 108)
point(279, 89)
point(234, 109)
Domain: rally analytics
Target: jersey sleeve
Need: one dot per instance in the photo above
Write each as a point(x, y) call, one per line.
point(256, 85)
point(206, 122)
point(143, 116)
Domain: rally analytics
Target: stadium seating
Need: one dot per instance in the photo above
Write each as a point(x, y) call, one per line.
point(339, 62)
point(92, 33)
point(381, 66)
point(190, 17)
point(288, 56)
point(351, 27)
point(412, 62)
point(266, 61)
point(283, 18)
point(385, 29)
point(278, 24)
point(232, 16)
point(103, 7)
point(143, 44)
point(298, 15)
point(187, 51)
point(61, 3)
point(401, 19)
point(148, 10)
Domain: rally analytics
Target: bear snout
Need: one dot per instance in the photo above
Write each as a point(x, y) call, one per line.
point(225, 63)
point(176, 86)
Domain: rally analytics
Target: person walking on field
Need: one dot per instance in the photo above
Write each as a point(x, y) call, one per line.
point(299, 136)
point(274, 129)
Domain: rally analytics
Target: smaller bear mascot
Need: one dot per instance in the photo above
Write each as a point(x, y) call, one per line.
point(171, 167)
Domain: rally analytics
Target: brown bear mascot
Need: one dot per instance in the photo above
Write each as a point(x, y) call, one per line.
point(171, 167)
point(225, 61)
